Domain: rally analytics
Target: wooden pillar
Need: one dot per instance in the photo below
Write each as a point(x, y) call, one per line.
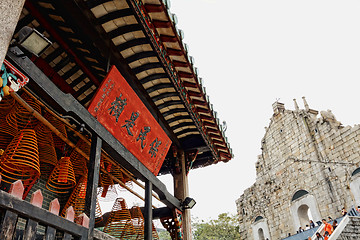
point(148, 211)
point(92, 181)
point(181, 191)
point(10, 12)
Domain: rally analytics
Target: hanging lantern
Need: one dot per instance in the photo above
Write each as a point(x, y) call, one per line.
point(62, 178)
point(20, 161)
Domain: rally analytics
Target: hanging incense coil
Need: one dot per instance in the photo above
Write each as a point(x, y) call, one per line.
point(117, 172)
point(62, 178)
point(139, 222)
point(154, 232)
point(107, 192)
point(6, 105)
point(60, 126)
point(77, 200)
point(20, 161)
point(7, 134)
point(20, 118)
point(79, 161)
point(119, 223)
point(47, 152)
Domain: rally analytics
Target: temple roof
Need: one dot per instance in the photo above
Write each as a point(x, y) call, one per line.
point(141, 38)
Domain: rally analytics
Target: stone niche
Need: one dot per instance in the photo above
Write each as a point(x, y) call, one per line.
point(260, 229)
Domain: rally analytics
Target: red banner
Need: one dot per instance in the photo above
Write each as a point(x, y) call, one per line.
point(117, 107)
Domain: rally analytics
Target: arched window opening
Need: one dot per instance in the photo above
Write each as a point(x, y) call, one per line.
point(304, 215)
point(299, 194)
point(355, 186)
point(303, 209)
point(261, 234)
point(355, 172)
point(258, 218)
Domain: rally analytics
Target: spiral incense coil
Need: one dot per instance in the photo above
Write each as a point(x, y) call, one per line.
point(154, 232)
point(60, 126)
point(20, 161)
point(7, 132)
point(5, 105)
point(107, 191)
point(116, 171)
point(20, 118)
point(77, 200)
point(119, 223)
point(62, 178)
point(138, 221)
point(47, 152)
point(5, 140)
point(78, 161)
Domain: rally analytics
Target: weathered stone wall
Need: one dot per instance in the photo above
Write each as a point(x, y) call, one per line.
point(300, 151)
point(10, 13)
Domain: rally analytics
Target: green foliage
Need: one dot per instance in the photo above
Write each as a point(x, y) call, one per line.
point(163, 234)
point(226, 227)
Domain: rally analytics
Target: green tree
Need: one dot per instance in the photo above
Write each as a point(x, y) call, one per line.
point(163, 234)
point(226, 227)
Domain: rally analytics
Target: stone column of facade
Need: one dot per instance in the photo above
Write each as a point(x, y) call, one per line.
point(10, 13)
point(181, 191)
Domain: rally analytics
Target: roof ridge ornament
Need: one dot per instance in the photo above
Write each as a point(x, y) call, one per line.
point(296, 105)
point(307, 108)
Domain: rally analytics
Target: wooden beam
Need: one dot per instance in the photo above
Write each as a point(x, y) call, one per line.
point(92, 181)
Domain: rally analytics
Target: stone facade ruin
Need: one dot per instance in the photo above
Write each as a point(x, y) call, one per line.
point(308, 170)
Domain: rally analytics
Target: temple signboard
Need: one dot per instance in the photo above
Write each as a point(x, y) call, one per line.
point(117, 107)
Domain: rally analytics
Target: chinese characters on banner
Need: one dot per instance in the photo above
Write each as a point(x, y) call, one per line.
point(117, 107)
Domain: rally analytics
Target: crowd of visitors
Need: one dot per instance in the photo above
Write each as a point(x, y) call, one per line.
point(328, 228)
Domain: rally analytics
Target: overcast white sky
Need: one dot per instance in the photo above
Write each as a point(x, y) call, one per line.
point(252, 52)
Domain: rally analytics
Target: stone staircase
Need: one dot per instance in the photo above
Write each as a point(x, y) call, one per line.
point(348, 229)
